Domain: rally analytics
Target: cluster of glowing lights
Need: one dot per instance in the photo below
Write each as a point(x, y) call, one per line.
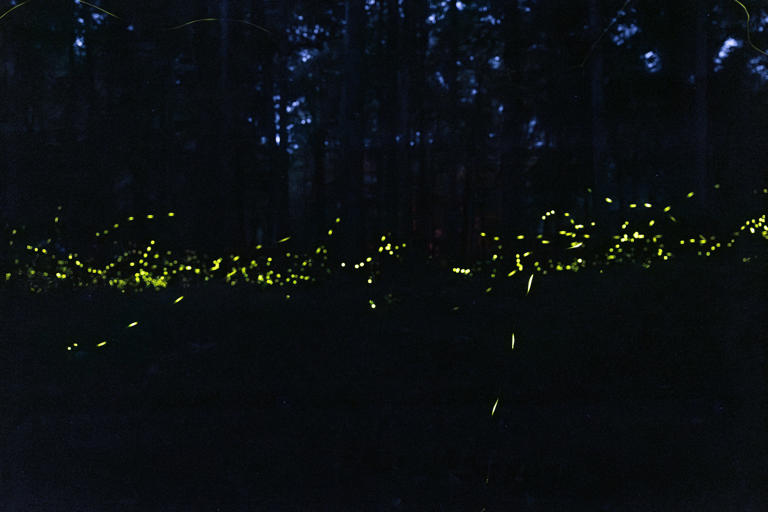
point(147, 267)
point(639, 240)
point(144, 266)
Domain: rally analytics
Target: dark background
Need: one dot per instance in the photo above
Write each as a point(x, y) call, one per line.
point(443, 123)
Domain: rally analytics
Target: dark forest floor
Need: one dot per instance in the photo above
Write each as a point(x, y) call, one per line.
point(631, 390)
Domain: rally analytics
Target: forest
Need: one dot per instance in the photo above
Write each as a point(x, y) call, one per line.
point(432, 120)
point(383, 255)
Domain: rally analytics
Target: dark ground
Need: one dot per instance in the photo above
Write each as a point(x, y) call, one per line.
point(631, 390)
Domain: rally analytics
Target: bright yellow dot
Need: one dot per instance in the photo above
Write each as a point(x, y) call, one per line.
point(690, 195)
point(178, 300)
point(101, 344)
point(171, 214)
point(608, 200)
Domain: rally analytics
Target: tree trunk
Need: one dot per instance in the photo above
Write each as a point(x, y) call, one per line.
point(318, 182)
point(354, 125)
point(9, 189)
point(418, 40)
point(390, 116)
point(702, 178)
point(600, 172)
point(515, 150)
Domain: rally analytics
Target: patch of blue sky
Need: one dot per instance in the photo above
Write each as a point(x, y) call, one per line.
point(758, 68)
point(725, 50)
point(760, 27)
point(652, 61)
point(306, 54)
point(294, 104)
point(440, 79)
point(535, 135)
point(79, 46)
point(624, 32)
